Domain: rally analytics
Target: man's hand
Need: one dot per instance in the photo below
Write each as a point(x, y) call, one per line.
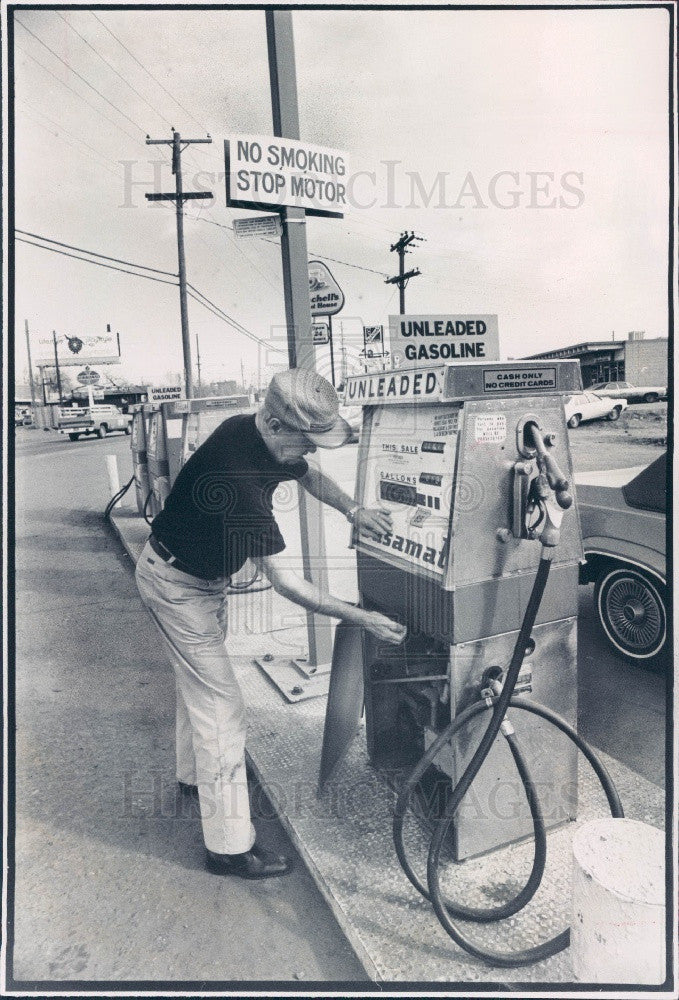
point(383, 628)
point(373, 521)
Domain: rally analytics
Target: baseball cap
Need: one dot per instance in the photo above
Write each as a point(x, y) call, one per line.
point(304, 400)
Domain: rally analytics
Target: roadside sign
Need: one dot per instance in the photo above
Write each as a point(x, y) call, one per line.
point(373, 335)
point(325, 295)
point(320, 333)
point(426, 340)
point(257, 225)
point(87, 349)
point(88, 377)
point(159, 394)
point(267, 172)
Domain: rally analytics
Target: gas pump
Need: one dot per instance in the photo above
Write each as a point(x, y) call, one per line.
point(141, 416)
point(473, 462)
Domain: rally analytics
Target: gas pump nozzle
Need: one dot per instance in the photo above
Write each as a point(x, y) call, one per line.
point(548, 466)
point(550, 478)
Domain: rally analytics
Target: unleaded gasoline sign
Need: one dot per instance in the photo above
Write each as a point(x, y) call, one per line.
point(266, 172)
point(423, 340)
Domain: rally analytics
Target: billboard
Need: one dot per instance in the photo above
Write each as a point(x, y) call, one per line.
point(80, 350)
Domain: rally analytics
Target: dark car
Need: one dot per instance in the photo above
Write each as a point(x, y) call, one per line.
point(632, 393)
point(623, 528)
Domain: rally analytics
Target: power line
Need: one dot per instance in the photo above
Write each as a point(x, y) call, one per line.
point(64, 131)
point(225, 316)
point(71, 142)
point(112, 68)
point(148, 71)
point(79, 96)
point(86, 260)
point(92, 253)
point(194, 293)
point(76, 73)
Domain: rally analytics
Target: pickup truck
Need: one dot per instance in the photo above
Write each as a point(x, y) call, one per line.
point(98, 419)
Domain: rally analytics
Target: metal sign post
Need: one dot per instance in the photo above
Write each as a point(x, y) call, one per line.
point(280, 43)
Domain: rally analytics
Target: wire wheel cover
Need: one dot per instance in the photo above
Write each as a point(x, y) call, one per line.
point(634, 612)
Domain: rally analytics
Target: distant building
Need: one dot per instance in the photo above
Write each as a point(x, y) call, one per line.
point(635, 360)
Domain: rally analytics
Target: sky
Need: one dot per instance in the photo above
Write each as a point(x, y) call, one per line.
point(528, 148)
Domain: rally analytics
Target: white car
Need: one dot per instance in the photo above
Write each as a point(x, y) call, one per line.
point(590, 406)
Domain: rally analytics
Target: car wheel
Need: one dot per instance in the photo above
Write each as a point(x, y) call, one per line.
point(614, 414)
point(651, 397)
point(101, 431)
point(632, 612)
point(574, 420)
point(73, 437)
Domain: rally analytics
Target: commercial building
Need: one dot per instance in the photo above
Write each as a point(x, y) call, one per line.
point(635, 360)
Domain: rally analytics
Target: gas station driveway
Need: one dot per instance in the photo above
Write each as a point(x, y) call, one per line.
point(109, 879)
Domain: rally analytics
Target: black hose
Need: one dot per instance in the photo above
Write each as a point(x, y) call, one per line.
point(512, 906)
point(443, 907)
point(462, 719)
point(146, 507)
point(116, 497)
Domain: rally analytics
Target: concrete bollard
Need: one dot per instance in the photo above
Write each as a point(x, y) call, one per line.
point(618, 925)
point(113, 478)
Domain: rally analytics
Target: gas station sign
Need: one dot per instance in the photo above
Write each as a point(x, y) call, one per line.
point(419, 340)
point(268, 172)
point(320, 333)
point(325, 295)
point(395, 387)
point(260, 225)
point(163, 393)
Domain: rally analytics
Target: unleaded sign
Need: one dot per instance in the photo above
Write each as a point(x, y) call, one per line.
point(267, 172)
point(426, 340)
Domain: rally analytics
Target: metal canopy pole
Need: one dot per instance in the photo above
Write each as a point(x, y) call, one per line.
point(283, 79)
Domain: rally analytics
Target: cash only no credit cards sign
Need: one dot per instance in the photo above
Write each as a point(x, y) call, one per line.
point(423, 340)
point(267, 172)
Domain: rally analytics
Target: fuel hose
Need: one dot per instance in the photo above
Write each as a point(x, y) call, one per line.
point(445, 909)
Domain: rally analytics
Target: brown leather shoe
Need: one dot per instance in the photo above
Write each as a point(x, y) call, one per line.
point(255, 863)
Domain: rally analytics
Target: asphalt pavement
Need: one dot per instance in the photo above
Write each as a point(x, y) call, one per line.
point(109, 877)
point(109, 860)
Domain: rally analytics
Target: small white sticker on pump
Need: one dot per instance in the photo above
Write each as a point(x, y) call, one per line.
point(490, 428)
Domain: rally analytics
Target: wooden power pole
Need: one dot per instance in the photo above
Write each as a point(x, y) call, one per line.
point(179, 197)
point(402, 278)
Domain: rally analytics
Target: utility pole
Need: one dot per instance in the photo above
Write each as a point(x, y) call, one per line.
point(56, 364)
point(295, 261)
point(30, 365)
point(200, 384)
point(402, 278)
point(179, 197)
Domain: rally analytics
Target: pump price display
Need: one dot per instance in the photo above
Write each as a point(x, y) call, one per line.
point(409, 470)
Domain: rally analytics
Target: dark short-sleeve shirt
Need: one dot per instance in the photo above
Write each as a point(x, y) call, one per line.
point(220, 509)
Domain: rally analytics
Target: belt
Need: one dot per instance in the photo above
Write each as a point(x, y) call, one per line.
point(171, 560)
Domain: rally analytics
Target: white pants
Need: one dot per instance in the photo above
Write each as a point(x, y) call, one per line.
point(211, 720)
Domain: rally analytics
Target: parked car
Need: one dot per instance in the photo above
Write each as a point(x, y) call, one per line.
point(590, 406)
point(632, 393)
point(623, 528)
